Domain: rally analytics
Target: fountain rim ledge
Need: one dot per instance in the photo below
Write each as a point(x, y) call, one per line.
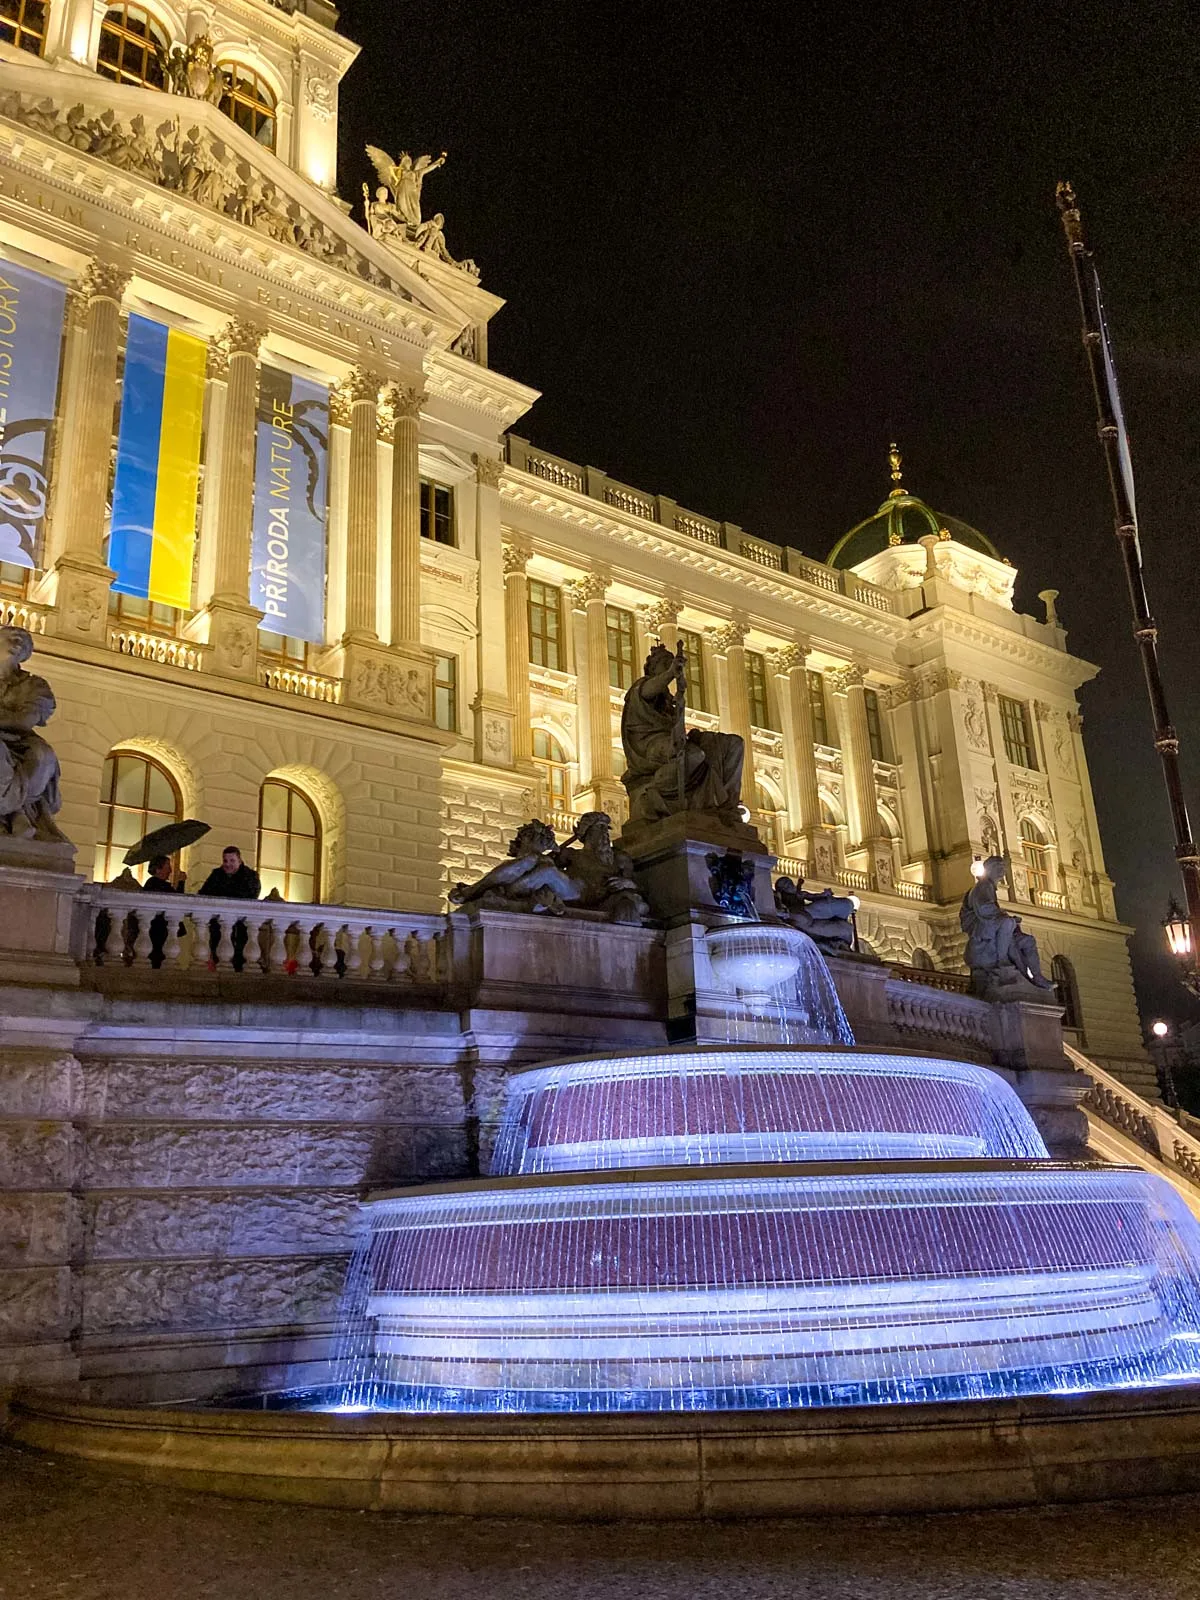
point(758, 1171)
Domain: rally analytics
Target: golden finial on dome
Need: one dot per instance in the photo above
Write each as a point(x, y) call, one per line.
point(897, 463)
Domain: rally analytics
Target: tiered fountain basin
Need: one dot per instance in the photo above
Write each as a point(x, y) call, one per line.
point(729, 1229)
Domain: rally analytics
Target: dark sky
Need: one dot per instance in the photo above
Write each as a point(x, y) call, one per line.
point(743, 246)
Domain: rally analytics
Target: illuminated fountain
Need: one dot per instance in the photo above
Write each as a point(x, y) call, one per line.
point(739, 1228)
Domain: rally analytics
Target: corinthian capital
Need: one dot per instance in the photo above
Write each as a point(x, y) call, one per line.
point(361, 385)
point(791, 658)
point(731, 636)
point(404, 401)
point(592, 586)
point(240, 337)
point(514, 558)
point(102, 280)
point(663, 614)
point(843, 679)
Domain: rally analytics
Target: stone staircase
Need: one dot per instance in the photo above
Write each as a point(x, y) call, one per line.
point(1124, 1128)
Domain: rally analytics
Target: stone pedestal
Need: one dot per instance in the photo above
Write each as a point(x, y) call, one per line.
point(1028, 1043)
point(78, 591)
point(38, 908)
point(670, 863)
point(227, 628)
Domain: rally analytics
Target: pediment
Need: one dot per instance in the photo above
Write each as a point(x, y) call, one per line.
point(189, 150)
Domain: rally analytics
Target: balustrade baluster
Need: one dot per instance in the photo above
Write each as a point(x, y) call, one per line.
point(143, 943)
point(275, 951)
point(223, 955)
point(375, 962)
point(352, 964)
point(172, 944)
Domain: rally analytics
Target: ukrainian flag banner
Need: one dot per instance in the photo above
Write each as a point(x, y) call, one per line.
point(158, 463)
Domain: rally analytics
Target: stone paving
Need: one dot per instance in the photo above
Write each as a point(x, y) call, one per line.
point(70, 1534)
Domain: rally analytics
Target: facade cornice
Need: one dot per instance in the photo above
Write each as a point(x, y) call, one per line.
point(949, 626)
point(579, 511)
point(460, 382)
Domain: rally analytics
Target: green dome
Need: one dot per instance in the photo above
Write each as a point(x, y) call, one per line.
point(903, 519)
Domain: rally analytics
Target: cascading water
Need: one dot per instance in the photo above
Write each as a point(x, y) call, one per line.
point(764, 1227)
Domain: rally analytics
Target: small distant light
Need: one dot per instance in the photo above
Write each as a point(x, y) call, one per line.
point(1160, 1030)
point(744, 813)
point(977, 869)
point(856, 903)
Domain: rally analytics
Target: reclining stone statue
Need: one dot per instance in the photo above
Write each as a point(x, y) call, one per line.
point(1001, 955)
point(531, 880)
point(603, 874)
point(669, 767)
point(824, 917)
point(29, 771)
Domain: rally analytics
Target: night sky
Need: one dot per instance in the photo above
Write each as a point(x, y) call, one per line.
point(744, 246)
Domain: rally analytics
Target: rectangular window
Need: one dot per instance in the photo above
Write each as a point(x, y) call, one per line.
point(621, 646)
point(283, 649)
point(23, 23)
point(445, 692)
point(756, 690)
point(1018, 733)
point(820, 713)
point(697, 687)
point(545, 625)
point(128, 610)
point(437, 512)
point(874, 725)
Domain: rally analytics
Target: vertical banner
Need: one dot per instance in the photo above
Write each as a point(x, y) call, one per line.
point(291, 495)
point(32, 308)
point(158, 463)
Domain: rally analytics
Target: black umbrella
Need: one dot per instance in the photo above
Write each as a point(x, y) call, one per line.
point(166, 841)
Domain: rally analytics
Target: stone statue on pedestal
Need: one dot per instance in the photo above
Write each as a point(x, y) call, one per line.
point(824, 917)
point(532, 880)
point(1001, 955)
point(603, 873)
point(29, 772)
point(668, 767)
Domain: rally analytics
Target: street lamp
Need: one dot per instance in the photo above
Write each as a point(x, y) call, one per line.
point(1160, 1030)
point(1178, 928)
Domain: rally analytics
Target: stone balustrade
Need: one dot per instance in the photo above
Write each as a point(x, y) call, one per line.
point(1152, 1127)
point(169, 934)
point(920, 1010)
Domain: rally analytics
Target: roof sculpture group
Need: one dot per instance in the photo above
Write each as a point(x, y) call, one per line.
point(395, 211)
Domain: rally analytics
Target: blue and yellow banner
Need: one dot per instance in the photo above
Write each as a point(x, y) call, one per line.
point(158, 463)
point(32, 308)
point(291, 495)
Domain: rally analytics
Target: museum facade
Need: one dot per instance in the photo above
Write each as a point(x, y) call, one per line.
point(291, 570)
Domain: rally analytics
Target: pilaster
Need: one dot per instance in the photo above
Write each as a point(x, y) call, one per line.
point(495, 743)
point(600, 790)
point(730, 641)
point(867, 839)
point(515, 563)
point(808, 838)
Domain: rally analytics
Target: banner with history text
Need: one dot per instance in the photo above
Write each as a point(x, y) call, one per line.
point(291, 504)
point(32, 309)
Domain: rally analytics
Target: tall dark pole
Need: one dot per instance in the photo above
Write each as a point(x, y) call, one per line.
point(1111, 427)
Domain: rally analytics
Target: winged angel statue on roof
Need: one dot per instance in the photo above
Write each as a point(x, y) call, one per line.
point(395, 212)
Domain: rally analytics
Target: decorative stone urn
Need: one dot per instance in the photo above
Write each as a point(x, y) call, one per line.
point(753, 959)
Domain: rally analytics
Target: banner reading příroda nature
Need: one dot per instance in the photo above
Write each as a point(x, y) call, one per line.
point(291, 501)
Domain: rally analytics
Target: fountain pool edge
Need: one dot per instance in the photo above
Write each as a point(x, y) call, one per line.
point(658, 1466)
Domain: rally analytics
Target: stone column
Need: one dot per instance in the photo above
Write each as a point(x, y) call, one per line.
point(600, 790)
point(515, 560)
point(494, 740)
point(395, 681)
point(866, 830)
point(361, 393)
point(808, 838)
point(730, 641)
point(226, 622)
point(404, 403)
point(81, 581)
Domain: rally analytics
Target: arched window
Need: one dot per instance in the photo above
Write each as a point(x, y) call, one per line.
point(137, 796)
point(1037, 857)
point(922, 960)
point(289, 843)
point(133, 47)
point(1062, 974)
point(250, 101)
point(23, 23)
point(772, 814)
point(549, 755)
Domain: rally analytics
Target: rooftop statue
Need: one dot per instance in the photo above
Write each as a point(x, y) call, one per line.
point(395, 212)
point(29, 772)
point(404, 180)
point(668, 767)
point(603, 873)
point(531, 880)
point(999, 952)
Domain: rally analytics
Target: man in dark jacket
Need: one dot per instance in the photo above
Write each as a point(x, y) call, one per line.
point(232, 880)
